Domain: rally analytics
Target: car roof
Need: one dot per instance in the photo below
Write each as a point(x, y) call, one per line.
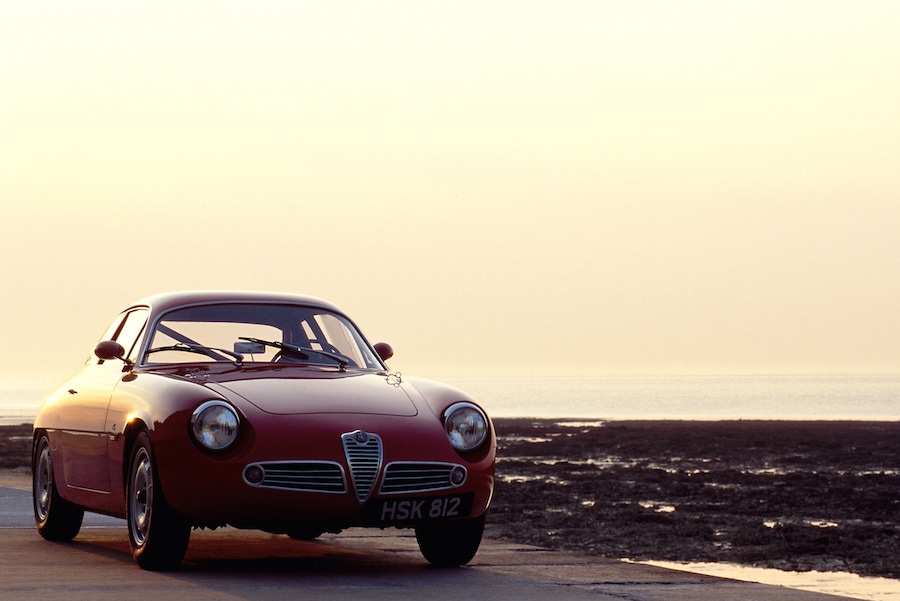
point(159, 303)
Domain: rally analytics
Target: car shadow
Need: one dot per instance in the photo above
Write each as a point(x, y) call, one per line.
point(245, 553)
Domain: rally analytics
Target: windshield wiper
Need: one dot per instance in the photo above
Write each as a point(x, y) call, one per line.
point(209, 351)
point(299, 351)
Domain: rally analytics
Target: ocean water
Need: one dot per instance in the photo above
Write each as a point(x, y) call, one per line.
point(20, 399)
point(841, 584)
point(789, 397)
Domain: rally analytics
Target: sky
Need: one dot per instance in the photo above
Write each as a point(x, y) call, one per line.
point(495, 188)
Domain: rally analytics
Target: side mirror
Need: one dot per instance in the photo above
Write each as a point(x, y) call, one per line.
point(384, 350)
point(110, 349)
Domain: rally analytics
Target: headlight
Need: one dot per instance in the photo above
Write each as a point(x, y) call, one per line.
point(466, 426)
point(215, 425)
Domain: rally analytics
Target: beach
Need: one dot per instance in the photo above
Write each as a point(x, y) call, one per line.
point(792, 495)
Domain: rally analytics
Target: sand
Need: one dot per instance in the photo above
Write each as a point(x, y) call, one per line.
point(791, 495)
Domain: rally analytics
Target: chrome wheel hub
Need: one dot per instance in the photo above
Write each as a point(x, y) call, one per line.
point(43, 483)
point(141, 502)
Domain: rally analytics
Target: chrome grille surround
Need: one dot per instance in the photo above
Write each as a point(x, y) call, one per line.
point(307, 476)
point(411, 476)
point(364, 455)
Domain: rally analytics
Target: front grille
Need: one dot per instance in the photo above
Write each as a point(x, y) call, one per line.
point(406, 477)
point(311, 476)
point(363, 452)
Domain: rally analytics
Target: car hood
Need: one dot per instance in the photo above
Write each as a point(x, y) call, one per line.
point(339, 393)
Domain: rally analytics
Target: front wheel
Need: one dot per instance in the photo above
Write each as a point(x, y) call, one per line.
point(56, 519)
point(450, 544)
point(159, 536)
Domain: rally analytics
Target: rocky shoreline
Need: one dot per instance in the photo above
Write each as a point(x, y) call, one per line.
point(790, 495)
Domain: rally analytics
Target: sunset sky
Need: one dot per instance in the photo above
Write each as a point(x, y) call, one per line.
point(495, 188)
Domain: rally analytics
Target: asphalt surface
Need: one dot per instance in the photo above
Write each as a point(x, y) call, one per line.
point(229, 564)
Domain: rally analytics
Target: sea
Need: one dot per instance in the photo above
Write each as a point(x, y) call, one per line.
point(687, 397)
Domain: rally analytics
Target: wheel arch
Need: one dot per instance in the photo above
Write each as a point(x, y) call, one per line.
point(35, 437)
point(132, 429)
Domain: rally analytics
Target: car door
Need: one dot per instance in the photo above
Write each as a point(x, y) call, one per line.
point(85, 440)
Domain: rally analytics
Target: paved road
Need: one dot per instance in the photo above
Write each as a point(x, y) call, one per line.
point(230, 564)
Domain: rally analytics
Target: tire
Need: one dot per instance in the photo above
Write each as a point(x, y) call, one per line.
point(159, 536)
point(56, 519)
point(450, 544)
point(304, 535)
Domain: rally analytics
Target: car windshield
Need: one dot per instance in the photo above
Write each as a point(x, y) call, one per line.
point(258, 332)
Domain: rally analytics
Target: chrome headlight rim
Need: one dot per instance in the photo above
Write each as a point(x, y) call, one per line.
point(210, 435)
point(473, 435)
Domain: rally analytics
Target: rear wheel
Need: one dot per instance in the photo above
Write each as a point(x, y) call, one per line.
point(450, 544)
point(159, 536)
point(56, 518)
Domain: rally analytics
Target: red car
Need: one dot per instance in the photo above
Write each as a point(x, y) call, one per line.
point(263, 411)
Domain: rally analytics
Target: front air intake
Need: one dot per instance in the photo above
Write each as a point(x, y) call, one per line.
point(408, 477)
point(363, 452)
point(307, 476)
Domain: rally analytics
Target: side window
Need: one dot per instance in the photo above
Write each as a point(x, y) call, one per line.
point(130, 333)
point(109, 334)
point(126, 329)
point(339, 335)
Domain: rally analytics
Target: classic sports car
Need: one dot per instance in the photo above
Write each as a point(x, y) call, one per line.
point(263, 411)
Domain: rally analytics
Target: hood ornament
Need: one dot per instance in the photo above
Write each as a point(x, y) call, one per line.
point(196, 374)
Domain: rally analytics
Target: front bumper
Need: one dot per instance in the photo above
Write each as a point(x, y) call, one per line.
point(328, 480)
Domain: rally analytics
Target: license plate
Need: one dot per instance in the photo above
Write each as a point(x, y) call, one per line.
point(422, 509)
